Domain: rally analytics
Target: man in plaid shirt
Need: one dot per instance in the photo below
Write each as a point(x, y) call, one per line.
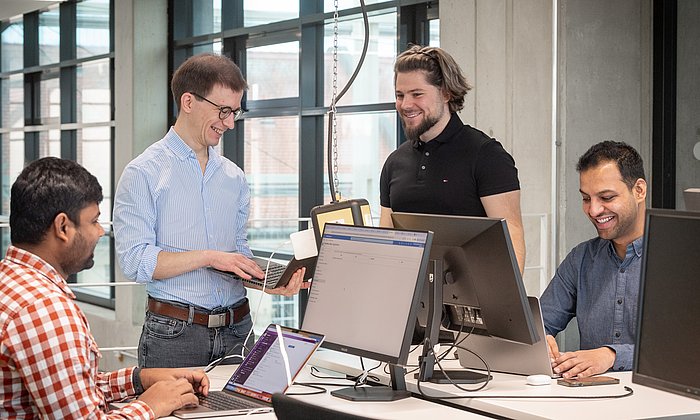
point(48, 357)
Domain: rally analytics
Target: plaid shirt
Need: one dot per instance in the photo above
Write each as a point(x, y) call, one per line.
point(48, 358)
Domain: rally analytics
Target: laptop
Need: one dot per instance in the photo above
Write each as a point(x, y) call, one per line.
point(508, 356)
point(265, 371)
point(278, 275)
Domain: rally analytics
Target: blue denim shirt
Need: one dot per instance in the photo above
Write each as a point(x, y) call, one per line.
point(601, 291)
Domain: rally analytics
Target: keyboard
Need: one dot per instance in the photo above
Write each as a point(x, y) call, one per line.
point(220, 401)
point(274, 273)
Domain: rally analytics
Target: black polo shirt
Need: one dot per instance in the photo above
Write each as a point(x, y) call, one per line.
point(449, 174)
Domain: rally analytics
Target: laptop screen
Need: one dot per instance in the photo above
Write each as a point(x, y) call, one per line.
point(264, 371)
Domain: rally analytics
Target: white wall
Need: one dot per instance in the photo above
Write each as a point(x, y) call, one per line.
point(505, 50)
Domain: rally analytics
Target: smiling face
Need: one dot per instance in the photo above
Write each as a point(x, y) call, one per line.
point(423, 109)
point(202, 127)
point(616, 211)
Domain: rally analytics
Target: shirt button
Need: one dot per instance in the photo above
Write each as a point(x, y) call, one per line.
point(427, 153)
point(622, 270)
point(423, 167)
point(619, 301)
point(621, 368)
point(617, 334)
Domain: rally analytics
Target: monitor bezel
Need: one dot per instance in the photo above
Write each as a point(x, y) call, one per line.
point(401, 358)
point(638, 377)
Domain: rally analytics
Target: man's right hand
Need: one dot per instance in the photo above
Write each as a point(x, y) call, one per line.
point(164, 397)
point(236, 263)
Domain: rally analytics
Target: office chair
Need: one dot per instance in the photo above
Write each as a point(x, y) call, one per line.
point(288, 408)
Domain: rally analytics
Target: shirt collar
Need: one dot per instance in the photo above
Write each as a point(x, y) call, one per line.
point(453, 126)
point(633, 248)
point(34, 262)
point(178, 146)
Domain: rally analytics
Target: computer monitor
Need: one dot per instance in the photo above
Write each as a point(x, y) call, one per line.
point(473, 263)
point(364, 297)
point(668, 331)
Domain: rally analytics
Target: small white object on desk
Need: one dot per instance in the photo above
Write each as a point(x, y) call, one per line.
point(538, 380)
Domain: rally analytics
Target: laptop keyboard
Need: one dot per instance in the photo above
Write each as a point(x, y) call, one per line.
point(219, 401)
point(274, 273)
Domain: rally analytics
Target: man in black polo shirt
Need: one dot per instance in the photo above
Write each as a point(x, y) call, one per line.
point(446, 167)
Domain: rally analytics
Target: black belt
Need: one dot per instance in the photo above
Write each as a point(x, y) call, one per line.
point(199, 318)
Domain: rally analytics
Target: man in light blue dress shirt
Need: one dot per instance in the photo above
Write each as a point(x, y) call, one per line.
point(179, 208)
point(598, 282)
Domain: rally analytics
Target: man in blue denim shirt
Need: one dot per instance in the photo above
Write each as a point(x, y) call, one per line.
point(598, 282)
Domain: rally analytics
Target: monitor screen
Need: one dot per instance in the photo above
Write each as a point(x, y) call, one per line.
point(366, 288)
point(483, 291)
point(668, 330)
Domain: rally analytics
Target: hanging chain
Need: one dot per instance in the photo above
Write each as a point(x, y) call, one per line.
point(334, 131)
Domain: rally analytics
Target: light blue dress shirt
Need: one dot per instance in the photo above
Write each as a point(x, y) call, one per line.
point(593, 284)
point(165, 203)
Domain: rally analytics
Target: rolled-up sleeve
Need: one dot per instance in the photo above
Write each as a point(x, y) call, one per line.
point(134, 222)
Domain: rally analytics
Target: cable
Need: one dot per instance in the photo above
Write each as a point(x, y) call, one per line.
point(254, 317)
point(283, 350)
point(320, 389)
point(628, 390)
point(332, 112)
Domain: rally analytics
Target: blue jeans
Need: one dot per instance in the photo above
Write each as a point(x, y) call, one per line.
point(167, 342)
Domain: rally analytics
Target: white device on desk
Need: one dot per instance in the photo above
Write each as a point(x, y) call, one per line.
point(271, 366)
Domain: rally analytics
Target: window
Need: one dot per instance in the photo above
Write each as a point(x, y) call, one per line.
point(285, 50)
point(57, 100)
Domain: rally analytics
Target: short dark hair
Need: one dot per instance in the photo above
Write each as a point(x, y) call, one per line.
point(441, 71)
point(201, 72)
point(43, 190)
point(625, 156)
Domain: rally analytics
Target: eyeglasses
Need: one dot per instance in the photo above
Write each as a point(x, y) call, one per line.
point(224, 111)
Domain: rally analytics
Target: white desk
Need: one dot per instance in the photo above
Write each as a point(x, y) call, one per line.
point(406, 409)
point(644, 403)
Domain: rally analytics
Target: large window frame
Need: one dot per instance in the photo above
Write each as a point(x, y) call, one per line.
point(187, 18)
point(36, 126)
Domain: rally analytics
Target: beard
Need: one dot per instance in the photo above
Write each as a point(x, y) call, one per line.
point(413, 133)
point(81, 255)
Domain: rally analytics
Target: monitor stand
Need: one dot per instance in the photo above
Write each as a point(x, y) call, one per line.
point(397, 391)
point(426, 361)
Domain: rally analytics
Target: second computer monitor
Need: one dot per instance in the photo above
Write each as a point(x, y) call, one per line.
point(483, 290)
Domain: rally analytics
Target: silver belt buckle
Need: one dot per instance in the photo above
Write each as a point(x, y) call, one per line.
point(217, 320)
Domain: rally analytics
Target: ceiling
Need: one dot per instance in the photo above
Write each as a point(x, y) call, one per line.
point(12, 8)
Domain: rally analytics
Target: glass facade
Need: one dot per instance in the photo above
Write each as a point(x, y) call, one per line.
point(285, 50)
point(56, 88)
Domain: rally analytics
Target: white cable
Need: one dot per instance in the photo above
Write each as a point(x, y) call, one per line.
point(262, 295)
point(283, 350)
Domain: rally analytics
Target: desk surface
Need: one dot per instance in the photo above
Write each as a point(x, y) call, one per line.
point(406, 409)
point(644, 403)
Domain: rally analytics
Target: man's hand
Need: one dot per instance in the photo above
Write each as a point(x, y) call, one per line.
point(552, 349)
point(295, 284)
point(166, 396)
point(196, 377)
point(584, 363)
point(236, 263)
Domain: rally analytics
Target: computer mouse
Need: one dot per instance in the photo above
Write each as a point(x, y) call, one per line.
point(537, 380)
